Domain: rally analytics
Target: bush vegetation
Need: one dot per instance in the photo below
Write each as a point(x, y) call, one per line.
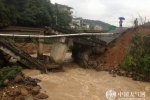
point(9, 73)
point(138, 58)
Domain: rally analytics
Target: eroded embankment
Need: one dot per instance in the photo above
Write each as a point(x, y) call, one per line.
point(115, 55)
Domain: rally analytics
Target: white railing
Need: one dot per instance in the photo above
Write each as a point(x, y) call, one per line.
point(55, 36)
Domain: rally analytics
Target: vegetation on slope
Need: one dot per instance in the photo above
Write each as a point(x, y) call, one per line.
point(138, 58)
point(8, 73)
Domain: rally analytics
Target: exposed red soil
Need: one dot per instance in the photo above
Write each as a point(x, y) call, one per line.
point(32, 48)
point(115, 55)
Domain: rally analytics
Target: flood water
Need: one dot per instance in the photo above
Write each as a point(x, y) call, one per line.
point(85, 84)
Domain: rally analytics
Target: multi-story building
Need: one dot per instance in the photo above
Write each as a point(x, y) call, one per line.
point(79, 23)
point(98, 27)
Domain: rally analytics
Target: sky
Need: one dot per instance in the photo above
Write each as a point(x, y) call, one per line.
point(109, 10)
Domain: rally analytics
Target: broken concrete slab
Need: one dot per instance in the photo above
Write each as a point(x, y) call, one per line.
point(21, 56)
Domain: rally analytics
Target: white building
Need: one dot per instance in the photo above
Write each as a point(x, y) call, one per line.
point(78, 23)
point(98, 27)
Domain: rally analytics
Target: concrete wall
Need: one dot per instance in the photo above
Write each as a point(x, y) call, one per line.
point(58, 52)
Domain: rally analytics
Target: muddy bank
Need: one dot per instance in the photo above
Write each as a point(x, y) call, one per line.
point(84, 84)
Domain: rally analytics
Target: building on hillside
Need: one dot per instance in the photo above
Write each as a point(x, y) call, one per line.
point(98, 27)
point(63, 8)
point(85, 26)
point(78, 23)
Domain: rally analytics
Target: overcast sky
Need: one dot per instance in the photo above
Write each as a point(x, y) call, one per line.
point(109, 10)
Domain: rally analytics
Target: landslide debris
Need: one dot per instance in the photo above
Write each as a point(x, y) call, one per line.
point(15, 86)
point(116, 52)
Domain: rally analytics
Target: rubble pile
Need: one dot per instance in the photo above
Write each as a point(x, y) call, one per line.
point(135, 76)
point(15, 53)
point(86, 56)
point(21, 88)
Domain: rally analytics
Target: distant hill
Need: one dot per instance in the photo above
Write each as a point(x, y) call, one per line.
point(105, 26)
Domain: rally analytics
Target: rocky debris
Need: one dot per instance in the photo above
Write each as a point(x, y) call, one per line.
point(117, 71)
point(24, 91)
point(122, 73)
point(6, 82)
point(134, 75)
point(13, 91)
point(18, 78)
point(30, 81)
point(113, 72)
point(36, 90)
point(21, 88)
point(29, 97)
point(86, 56)
point(42, 96)
point(130, 75)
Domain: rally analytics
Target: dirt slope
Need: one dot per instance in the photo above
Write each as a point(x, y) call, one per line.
point(115, 54)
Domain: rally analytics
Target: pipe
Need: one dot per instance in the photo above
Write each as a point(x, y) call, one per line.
point(55, 36)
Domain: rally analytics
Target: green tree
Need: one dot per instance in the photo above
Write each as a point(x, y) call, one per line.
point(4, 15)
point(35, 13)
point(63, 19)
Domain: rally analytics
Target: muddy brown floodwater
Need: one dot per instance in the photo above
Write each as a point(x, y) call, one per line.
point(85, 84)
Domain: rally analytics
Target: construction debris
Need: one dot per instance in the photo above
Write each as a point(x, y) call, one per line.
point(10, 49)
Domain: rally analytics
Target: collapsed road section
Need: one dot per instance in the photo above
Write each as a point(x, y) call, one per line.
point(86, 49)
point(20, 56)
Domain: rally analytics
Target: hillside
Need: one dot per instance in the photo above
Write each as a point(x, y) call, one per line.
point(105, 26)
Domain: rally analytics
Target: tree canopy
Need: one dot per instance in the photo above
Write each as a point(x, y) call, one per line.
point(34, 13)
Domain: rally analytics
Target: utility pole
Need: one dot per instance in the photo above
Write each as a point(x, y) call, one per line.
point(40, 45)
point(56, 20)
